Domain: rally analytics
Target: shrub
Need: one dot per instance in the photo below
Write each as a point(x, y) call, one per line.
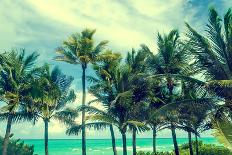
point(158, 153)
point(204, 149)
point(17, 147)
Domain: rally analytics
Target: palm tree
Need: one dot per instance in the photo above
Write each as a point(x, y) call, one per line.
point(156, 121)
point(170, 62)
point(102, 88)
point(50, 93)
point(80, 49)
point(16, 70)
point(102, 84)
point(117, 110)
point(196, 104)
point(213, 56)
point(136, 61)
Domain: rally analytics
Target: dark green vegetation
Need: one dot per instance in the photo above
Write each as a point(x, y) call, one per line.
point(17, 147)
point(186, 85)
point(205, 149)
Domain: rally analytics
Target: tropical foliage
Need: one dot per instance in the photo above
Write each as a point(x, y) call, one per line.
point(186, 85)
point(205, 149)
point(80, 49)
point(17, 147)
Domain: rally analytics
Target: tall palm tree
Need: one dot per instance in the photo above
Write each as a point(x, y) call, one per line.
point(213, 55)
point(117, 112)
point(50, 94)
point(79, 49)
point(102, 88)
point(136, 61)
point(16, 70)
point(102, 84)
point(171, 60)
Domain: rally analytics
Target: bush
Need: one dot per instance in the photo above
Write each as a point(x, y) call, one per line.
point(204, 149)
point(17, 147)
point(158, 153)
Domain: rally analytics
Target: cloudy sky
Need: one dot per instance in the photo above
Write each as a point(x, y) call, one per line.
point(42, 25)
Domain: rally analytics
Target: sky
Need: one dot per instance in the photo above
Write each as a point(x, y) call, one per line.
point(42, 25)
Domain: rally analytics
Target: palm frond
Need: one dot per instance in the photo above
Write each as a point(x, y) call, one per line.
point(76, 129)
point(140, 126)
point(102, 118)
point(91, 110)
point(222, 131)
point(66, 116)
point(220, 83)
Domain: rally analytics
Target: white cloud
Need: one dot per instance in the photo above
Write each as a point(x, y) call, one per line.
point(125, 25)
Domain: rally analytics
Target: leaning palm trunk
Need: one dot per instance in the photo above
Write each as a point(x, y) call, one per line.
point(113, 140)
point(83, 112)
point(174, 139)
point(134, 141)
point(46, 136)
point(154, 139)
point(196, 139)
point(190, 143)
point(7, 136)
point(124, 143)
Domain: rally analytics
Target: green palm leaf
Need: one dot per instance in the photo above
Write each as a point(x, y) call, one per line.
point(223, 132)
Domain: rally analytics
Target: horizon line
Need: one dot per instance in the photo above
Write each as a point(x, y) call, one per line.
point(104, 138)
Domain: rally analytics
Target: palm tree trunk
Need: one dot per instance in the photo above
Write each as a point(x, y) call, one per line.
point(7, 136)
point(134, 141)
point(154, 139)
point(113, 139)
point(124, 143)
point(174, 139)
point(83, 112)
point(46, 136)
point(197, 150)
point(190, 143)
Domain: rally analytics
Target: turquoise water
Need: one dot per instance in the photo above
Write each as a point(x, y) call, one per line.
point(103, 146)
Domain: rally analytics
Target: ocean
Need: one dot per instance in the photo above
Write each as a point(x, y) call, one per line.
point(103, 146)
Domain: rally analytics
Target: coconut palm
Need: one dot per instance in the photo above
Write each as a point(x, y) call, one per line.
point(50, 94)
point(117, 112)
point(102, 89)
point(16, 70)
point(196, 105)
point(171, 60)
point(213, 56)
point(80, 49)
point(154, 120)
point(136, 61)
point(102, 84)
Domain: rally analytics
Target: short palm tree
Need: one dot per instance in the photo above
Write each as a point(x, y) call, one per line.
point(196, 105)
point(15, 73)
point(79, 49)
point(50, 94)
point(154, 120)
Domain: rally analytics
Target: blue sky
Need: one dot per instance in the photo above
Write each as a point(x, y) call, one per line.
point(42, 25)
